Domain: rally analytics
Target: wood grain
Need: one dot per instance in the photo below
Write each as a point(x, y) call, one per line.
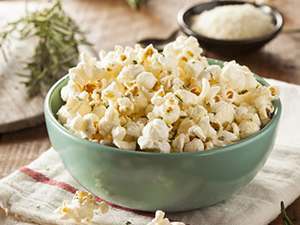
point(20, 148)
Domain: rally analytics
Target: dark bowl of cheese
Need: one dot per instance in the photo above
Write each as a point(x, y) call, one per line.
point(231, 27)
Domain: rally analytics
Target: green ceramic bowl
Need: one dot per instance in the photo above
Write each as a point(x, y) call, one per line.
point(150, 181)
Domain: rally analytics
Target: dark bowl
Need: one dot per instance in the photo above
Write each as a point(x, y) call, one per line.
point(223, 46)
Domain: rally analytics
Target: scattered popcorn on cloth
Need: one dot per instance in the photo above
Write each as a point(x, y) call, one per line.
point(33, 194)
point(82, 207)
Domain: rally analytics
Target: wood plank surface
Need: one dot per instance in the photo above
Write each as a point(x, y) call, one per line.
point(110, 22)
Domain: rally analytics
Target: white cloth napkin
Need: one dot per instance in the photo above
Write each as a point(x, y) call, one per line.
point(32, 193)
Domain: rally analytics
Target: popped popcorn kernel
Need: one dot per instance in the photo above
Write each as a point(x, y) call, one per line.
point(160, 219)
point(82, 207)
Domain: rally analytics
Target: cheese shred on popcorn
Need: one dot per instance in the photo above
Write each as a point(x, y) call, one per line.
point(174, 101)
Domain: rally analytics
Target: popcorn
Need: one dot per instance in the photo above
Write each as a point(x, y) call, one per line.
point(195, 145)
point(140, 102)
point(196, 112)
point(155, 136)
point(134, 129)
point(228, 137)
point(146, 79)
point(230, 95)
point(112, 92)
point(78, 125)
point(224, 112)
point(179, 141)
point(247, 113)
point(91, 121)
point(129, 73)
point(136, 98)
point(238, 77)
point(205, 86)
point(109, 121)
point(86, 71)
point(196, 131)
point(187, 97)
point(125, 105)
point(214, 71)
point(247, 128)
point(206, 127)
point(169, 110)
point(71, 89)
point(78, 104)
point(185, 125)
point(118, 135)
point(161, 220)
point(82, 207)
point(212, 94)
point(157, 98)
point(63, 114)
point(99, 110)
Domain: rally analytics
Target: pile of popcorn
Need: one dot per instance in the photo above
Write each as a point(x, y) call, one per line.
point(174, 101)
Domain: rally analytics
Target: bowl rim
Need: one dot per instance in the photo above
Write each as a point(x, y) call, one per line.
point(267, 37)
point(50, 117)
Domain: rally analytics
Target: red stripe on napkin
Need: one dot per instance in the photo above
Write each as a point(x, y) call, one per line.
point(39, 177)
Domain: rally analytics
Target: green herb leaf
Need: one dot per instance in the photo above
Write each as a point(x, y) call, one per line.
point(285, 219)
point(57, 48)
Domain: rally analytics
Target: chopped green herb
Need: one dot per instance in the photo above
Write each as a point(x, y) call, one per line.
point(180, 99)
point(285, 219)
point(243, 92)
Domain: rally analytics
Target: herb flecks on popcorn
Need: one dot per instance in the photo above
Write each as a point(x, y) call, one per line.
point(174, 101)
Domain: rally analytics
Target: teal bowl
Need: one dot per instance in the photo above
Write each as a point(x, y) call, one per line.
point(150, 181)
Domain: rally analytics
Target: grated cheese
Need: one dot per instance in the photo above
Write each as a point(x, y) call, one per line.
point(233, 22)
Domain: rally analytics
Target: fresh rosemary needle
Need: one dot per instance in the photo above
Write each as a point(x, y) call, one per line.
point(59, 38)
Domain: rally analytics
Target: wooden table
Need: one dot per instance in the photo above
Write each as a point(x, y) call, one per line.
point(279, 60)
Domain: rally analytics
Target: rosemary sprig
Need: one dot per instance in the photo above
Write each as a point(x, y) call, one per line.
point(285, 219)
point(57, 50)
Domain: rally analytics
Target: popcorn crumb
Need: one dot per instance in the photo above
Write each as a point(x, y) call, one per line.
point(160, 219)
